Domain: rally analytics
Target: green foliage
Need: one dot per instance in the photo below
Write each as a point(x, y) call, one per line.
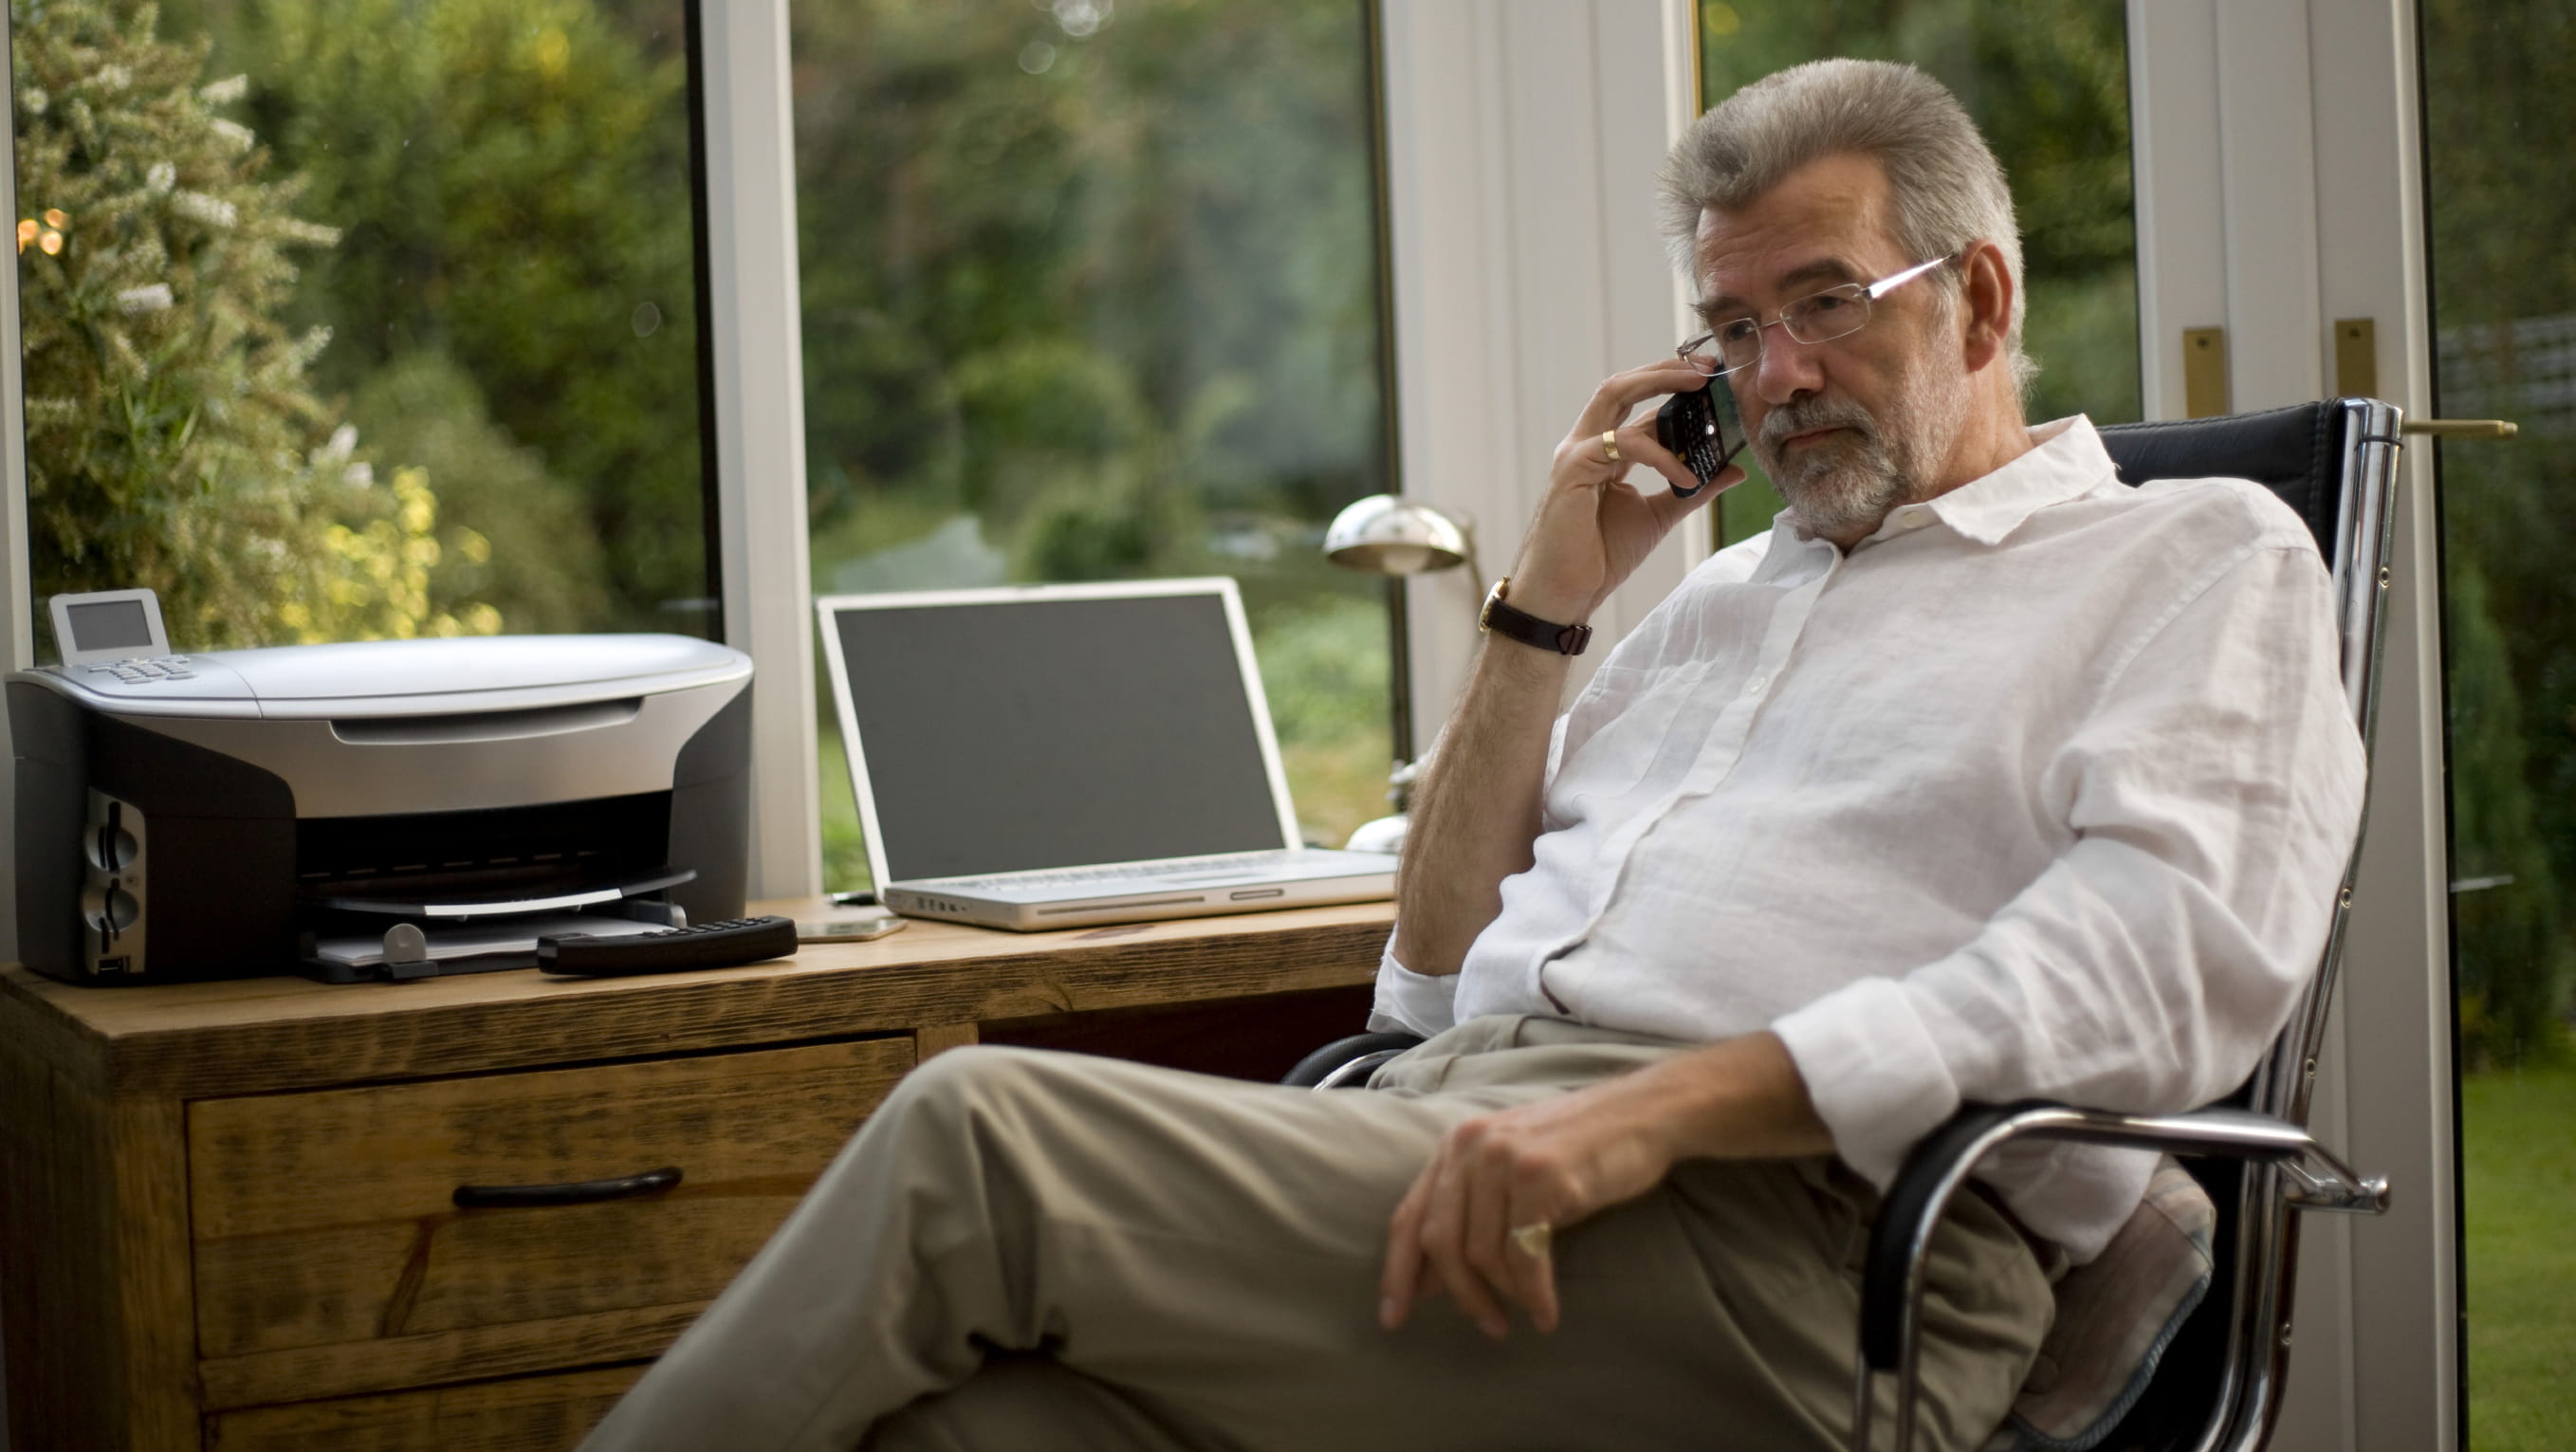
point(2500, 206)
point(2497, 167)
point(1097, 299)
point(1052, 296)
point(2509, 945)
point(422, 408)
point(845, 846)
point(173, 440)
point(512, 178)
point(1323, 666)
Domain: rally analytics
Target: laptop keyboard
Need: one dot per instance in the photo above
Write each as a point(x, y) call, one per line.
point(1223, 864)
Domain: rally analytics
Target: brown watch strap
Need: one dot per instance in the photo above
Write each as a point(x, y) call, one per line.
point(1506, 619)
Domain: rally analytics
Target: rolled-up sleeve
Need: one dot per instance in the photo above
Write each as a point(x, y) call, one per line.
point(1416, 1003)
point(2214, 793)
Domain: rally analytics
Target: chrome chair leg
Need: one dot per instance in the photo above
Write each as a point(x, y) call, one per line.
point(1356, 1071)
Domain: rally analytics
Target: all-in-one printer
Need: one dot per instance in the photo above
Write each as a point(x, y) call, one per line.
point(220, 814)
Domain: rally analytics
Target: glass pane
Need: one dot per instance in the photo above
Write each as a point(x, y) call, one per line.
point(1091, 292)
point(2048, 82)
point(2501, 192)
point(362, 318)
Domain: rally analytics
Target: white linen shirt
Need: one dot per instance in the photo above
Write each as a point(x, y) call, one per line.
point(2044, 789)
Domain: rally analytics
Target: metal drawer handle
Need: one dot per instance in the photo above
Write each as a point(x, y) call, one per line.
point(573, 1192)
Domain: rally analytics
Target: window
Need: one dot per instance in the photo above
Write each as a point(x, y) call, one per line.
point(2048, 83)
point(2504, 312)
point(1091, 291)
point(362, 318)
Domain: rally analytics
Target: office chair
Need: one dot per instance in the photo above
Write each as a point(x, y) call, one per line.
point(2211, 1382)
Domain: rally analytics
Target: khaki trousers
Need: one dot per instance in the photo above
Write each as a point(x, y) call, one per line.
point(1026, 1251)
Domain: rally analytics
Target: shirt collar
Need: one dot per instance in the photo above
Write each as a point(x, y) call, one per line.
point(2067, 461)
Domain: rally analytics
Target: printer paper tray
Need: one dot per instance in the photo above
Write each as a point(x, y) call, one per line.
point(515, 938)
point(556, 898)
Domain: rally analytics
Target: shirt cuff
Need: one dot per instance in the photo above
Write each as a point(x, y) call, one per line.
point(1873, 1071)
point(1416, 1003)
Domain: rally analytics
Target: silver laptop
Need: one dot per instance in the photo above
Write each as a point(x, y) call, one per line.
point(1051, 756)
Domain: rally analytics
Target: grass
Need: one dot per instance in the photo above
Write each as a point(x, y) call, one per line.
point(2518, 1149)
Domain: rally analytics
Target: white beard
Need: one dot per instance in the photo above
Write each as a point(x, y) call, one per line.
point(1850, 482)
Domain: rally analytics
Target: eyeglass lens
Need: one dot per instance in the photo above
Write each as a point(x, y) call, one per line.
point(1837, 312)
point(1818, 318)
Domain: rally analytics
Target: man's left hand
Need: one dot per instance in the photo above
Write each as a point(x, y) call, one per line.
point(1545, 1165)
point(1478, 1220)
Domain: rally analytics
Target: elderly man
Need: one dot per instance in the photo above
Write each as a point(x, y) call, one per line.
point(1980, 776)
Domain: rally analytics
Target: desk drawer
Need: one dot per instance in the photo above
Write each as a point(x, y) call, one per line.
point(328, 1219)
point(526, 1414)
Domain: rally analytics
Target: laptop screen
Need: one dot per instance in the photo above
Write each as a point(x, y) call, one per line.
point(997, 735)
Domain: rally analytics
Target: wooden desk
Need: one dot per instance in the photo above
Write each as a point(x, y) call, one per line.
point(226, 1209)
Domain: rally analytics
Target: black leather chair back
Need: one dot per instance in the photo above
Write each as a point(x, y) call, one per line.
point(2296, 452)
point(2301, 454)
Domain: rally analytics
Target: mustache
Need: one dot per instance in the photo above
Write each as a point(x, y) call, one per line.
point(1800, 415)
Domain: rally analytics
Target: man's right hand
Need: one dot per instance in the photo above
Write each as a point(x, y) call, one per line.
point(1476, 811)
point(1592, 529)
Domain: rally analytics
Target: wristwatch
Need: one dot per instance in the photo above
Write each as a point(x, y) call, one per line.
point(1506, 619)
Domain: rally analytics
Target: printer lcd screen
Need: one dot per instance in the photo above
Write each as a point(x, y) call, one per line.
point(110, 625)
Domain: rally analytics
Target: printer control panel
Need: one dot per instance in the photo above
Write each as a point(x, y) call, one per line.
point(137, 672)
point(189, 685)
point(115, 649)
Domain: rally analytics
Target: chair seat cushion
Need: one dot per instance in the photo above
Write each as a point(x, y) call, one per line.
point(2116, 1314)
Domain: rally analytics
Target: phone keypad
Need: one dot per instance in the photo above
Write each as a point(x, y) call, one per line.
point(1687, 425)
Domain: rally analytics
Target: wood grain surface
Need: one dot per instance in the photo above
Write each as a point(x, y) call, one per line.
point(93, 1267)
point(529, 1414)
point(938, 1038)
point(147, 1158)
point(330, 1217)
point(482, 1352)
point(258, 1034)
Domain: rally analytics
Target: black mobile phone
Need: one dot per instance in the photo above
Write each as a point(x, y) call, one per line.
point(1702, 430)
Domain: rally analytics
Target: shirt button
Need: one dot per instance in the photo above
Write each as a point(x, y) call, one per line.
point(1754, 686)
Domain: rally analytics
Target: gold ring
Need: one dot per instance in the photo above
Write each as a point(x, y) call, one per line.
point(1610, 446)
point(1531, 1239)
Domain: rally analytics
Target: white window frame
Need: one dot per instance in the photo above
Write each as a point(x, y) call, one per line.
point(17, 610)
point(1522, 140)
point(760, 426)
point(2277, 162)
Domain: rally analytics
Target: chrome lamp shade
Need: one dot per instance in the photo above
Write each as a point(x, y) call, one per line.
point(1385, 535)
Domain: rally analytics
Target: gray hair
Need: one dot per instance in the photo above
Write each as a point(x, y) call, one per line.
point(1945, 189)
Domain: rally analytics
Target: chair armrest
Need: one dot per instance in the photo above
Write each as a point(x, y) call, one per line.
point(1900, 1239)
point(1941, 1163)
point(1318, 1070)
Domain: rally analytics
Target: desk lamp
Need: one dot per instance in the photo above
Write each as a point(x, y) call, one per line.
point(1385, 535)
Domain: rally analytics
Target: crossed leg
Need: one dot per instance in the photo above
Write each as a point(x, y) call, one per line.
point(1198, 1259)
